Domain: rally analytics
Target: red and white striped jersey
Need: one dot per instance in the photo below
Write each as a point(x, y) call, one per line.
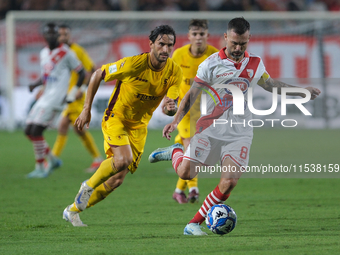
point(218, 69)
point(56, 67)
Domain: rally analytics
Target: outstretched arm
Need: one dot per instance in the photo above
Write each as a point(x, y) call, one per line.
point(271, 83)
point(85, 116)
point(183, 109)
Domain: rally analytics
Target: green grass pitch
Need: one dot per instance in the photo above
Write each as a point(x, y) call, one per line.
point(275, 215)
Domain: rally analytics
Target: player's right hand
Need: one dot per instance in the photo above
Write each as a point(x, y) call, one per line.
point(83, 119)
point(168, 129)
point(314, 92)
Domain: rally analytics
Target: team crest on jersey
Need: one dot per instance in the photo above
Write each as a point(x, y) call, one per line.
point(250, 73)
point(241, 83)
point(198, 152)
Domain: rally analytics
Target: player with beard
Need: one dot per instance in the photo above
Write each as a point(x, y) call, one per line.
point(228, 144)
point(142, 82)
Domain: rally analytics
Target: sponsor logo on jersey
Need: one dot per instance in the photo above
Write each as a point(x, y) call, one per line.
point(198, 152)
point(140, 79)
point(48, 67)
point(112, 69)
point(185, 66)
point(241, 83)
point(50, 79)
point(144, 97)
point(224, 74)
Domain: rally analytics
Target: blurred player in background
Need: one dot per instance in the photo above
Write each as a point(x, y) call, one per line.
point(229, 144)
point(73, 110)
point(142, 82)
point(188, 58)
point(56, 61)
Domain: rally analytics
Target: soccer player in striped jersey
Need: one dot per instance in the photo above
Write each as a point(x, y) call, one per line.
point(56, 61)
point(227, 144)
point(73, 110)
point(188, 58)
point(142, 82)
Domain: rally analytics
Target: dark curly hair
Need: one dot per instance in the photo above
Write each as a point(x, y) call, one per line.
point(162, 30)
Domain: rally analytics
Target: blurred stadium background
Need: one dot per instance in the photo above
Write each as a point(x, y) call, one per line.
point(300, 47)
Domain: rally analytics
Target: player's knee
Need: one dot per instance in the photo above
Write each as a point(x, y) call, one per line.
point(37, 130)
point(184, 171)
point(78, 132)
point(36, 133)
point(122, 162)
point(185, 174)
point(27, 130)
point(62, 130)
point(226, 185)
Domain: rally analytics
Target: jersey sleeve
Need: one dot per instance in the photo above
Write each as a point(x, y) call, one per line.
point(41, 58)
point(86, 60)
point(175, 57)
point(265, 76)
point(203, 73)
point(173, 91)
point(73, 62)
point(118, 70)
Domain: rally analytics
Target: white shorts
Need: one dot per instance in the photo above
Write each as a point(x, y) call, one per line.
point(41, 115)
point(209, 151)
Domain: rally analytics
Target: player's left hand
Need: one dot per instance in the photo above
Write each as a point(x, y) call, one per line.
point(314, 92)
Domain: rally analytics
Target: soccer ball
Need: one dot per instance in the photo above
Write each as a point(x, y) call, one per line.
point(221, 219)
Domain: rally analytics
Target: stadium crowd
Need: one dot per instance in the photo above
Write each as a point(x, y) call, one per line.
point(170, 5)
